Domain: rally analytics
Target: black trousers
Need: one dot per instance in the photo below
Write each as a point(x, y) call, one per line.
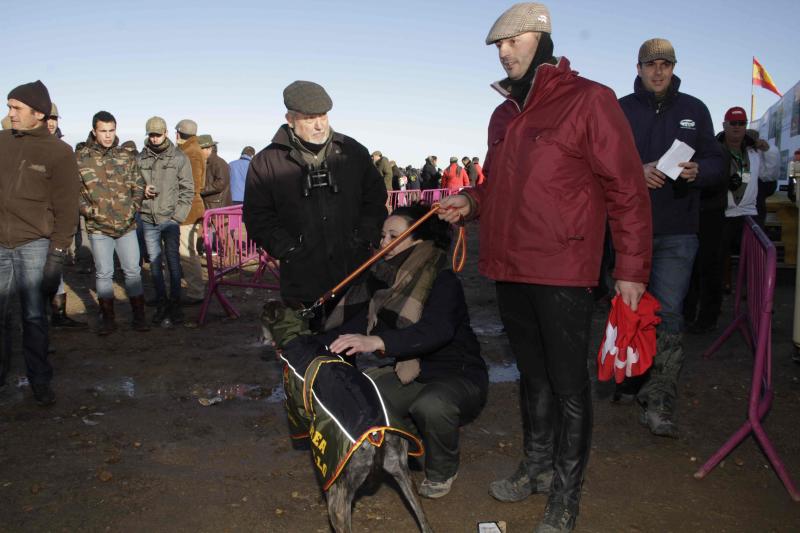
point(548, 328)
point(704, 299)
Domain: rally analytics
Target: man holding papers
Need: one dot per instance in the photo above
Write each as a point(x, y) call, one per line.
point(659, 115)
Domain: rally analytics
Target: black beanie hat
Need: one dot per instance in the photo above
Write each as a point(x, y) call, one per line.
point(33, 94)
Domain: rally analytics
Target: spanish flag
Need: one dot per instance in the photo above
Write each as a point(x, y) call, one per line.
point(762, 78)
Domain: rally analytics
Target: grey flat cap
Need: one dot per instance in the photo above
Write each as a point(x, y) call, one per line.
point(657, 48)
point(307, 97)
point(187, 127)
point(205, 141)
point(520, 18)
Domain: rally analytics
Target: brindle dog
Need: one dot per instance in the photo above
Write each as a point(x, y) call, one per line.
point(366, 462)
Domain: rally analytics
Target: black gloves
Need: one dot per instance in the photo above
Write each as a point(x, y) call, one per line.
point(51, 275)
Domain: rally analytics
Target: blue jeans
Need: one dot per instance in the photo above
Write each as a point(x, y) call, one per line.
point(673, 259)
point(169, 232)
point(127, 248)
point(21, 272)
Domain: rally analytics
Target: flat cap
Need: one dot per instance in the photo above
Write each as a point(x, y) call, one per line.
point(657, 48)
point(520, 18)
point(454, 159)
point(187, 127)
point(53, 110)
point(307, 97)
point(205, 141)
point(157, 125)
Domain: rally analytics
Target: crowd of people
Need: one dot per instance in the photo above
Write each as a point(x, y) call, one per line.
point(569, 167)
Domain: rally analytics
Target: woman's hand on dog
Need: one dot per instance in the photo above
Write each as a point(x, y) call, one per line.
point(352, 343)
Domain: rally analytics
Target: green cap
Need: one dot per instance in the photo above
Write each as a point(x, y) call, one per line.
point(205, 141)
point(156, 125)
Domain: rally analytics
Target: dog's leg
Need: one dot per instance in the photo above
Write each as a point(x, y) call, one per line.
point(340, 495)
point(395, 461)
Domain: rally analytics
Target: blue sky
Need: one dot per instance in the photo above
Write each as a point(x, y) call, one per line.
point(408, 78)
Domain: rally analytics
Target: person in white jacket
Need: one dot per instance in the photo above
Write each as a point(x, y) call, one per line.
point(753, 165)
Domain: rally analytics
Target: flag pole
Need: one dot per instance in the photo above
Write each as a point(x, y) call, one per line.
point(752, 93)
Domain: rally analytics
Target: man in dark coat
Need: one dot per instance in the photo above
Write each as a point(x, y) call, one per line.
point(430, 177)
point(313, 199)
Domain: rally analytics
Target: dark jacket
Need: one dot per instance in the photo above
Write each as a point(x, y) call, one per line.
point(218, 183)
point(555, 172)
point(429, 179)
point(442, 338)
point(385, 169)
point(676, 206)
point(39, 189)
point(321, 237)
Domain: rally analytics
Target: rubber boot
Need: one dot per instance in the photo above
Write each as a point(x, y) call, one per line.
point(573, 443)
point(657, 398)
point(139, 322)
point(107, 323)
point(59, 318)
point(534, 472)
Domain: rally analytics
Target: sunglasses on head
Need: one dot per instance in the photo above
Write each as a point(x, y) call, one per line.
point(737, 122)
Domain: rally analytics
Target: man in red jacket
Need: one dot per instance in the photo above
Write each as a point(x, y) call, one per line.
point(454, 177)
point(561, 155)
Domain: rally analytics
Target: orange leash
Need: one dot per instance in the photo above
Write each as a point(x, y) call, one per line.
point(458, 265)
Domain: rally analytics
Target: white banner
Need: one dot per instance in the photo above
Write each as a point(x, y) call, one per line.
point(780, 125)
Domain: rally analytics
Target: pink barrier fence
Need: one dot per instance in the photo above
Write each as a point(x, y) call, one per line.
point(428, 196)
point(755, 286)
point(228, 253)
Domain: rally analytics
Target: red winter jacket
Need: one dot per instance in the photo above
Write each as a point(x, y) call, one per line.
point(454, 177)
point(553, 172)
point(479, 170)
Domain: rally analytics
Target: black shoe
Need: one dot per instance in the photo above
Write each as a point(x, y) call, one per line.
point(558, 518)
point(162, 311)
point(43, 394)
point(59, 321)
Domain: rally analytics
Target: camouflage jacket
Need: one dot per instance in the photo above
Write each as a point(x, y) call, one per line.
point(112, 188)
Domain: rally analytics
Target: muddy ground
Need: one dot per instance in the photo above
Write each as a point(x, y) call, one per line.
point(128, 446)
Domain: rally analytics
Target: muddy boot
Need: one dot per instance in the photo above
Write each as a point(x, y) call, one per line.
point(59, 318)
point(534, 472)
point(139, 322)
point(107, 323)
point(574, 438)
point(657, 398)
point(162, 311)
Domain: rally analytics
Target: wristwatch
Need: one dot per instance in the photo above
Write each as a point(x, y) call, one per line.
point(60, 251)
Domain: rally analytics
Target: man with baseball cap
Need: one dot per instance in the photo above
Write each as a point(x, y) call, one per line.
point(186, 137)
point(313, 199)
point(659, 114)
point(562, 162)
point(39, 184)
point(168, 194)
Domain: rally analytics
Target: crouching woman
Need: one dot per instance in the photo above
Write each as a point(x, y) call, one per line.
point(410, 307)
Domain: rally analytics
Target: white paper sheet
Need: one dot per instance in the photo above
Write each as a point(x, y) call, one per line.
point(679, 152)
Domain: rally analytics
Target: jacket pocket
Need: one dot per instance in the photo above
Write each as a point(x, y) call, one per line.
point(34, 182)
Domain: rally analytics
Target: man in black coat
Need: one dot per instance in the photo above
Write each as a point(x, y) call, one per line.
point(313, 199)
point(431, 176)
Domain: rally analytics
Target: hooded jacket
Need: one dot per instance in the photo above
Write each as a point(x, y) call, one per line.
point(112, 187)
point(454, 177)
point(320, 237)
point(39, 189)
point(655, 125)
point(554, 169)
point(171, 174)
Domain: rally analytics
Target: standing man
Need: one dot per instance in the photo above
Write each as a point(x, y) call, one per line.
point(658, 115)
point(238, 171)
point(39, 186)
point(476, 162)
point(560, 157)
point(430, 175)
point(384, 167)
point(168, 194)
point(471, 171)
point(218, 177)
point(324, 228)
point(186, 137)
point(112, 190)
point(454, 177)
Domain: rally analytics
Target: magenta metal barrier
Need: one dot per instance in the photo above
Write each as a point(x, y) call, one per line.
point(755, 287)
point(228, 253)
point(428, 196)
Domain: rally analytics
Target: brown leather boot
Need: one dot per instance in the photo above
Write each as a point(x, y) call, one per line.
point(107, 324)
point(139, 322)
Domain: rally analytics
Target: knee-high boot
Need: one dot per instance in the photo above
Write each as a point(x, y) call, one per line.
point(535, 471)
point(571, 455)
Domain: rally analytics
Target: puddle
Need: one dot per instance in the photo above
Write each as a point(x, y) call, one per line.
point(123, 386)
point(503, 373)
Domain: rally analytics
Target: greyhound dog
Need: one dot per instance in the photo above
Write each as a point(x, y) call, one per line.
point(366, 461)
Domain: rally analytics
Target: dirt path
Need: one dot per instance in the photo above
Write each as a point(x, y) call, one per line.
point(128, 447)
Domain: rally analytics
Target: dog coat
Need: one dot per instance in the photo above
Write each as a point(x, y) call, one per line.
point(335, 405)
